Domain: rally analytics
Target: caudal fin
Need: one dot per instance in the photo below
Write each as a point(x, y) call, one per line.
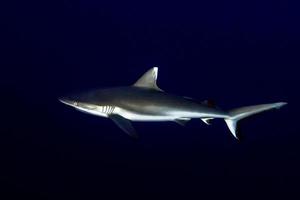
point(240, 113)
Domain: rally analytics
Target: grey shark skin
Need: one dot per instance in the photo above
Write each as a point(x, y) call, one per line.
point(145, 101)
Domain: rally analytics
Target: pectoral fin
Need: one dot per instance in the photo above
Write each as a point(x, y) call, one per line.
point(124, 124)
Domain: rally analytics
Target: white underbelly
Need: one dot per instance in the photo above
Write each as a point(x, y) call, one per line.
point(141, 117)
point(96, 112)
point(105, 111)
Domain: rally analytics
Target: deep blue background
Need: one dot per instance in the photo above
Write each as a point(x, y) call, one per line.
point(235, 52)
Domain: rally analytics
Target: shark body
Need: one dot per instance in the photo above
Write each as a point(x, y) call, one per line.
point(145, 101)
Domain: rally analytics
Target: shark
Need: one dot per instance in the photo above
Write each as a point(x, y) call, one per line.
point(145, 101)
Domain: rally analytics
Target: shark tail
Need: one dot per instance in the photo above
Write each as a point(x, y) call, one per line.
point(240, 113)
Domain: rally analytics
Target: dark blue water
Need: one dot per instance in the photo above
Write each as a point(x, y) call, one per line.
point(236, 53)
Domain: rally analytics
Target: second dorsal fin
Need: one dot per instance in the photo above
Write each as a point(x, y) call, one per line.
point(209, 103)
point(148, 80)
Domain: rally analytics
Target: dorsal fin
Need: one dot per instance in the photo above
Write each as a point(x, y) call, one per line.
point(148, 80)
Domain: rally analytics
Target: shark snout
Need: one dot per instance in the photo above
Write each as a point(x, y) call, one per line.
point(67, 101)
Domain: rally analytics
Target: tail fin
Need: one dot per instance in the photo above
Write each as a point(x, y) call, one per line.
point(237, 114)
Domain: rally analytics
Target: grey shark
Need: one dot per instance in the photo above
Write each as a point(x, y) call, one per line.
point(145, 101)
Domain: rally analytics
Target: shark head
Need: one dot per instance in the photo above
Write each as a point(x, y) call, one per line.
point(77, 101)
point(85, 102)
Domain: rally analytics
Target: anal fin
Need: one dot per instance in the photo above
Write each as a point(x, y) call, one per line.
point(206, 120)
